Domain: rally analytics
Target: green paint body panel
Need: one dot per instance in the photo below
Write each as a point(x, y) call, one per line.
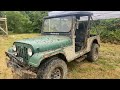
point(44, 46)
point(36, 59)
point(10, 50)
point(48, 42)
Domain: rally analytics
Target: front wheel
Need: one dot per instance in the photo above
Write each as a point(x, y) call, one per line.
point(53, 69)
point(94, 53)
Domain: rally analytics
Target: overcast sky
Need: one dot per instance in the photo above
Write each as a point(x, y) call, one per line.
point(96, 14)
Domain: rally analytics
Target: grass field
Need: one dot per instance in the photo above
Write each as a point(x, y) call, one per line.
point(107, 67)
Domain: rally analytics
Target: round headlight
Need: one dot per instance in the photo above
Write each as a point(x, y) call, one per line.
point(29, 51)
point(14, 48)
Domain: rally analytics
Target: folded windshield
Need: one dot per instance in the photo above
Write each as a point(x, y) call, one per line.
point(55, 25)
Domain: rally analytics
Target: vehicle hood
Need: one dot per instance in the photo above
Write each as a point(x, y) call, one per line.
point(48, 42)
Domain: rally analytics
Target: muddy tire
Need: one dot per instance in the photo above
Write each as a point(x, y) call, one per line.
point(54, 68)
point(93, 55)
point(16, 76)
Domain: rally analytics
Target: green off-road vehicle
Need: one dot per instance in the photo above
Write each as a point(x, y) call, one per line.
point(64, 38)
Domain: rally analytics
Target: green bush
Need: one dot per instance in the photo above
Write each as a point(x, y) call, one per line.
point(18, 23)
point(31, 22)
point(109, 30)
point(24, 21)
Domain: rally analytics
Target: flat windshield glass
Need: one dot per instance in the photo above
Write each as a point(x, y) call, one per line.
point(55, 25)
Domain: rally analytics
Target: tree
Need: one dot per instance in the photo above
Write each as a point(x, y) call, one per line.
point(18, 22)
point(36, 17)
point(25, 21)
point(1, 13)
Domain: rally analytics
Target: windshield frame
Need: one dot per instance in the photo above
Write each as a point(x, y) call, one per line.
point(57, 33)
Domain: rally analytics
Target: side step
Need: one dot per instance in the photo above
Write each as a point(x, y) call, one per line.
point(81, 58)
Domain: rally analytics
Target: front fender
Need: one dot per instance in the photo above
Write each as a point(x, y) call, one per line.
point(36, 59)
point(10, 50)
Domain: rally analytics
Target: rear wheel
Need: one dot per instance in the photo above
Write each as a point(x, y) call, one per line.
point(53, 69)
point(94, 53)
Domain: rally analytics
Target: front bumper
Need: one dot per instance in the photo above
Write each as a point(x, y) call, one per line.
point(19, 67)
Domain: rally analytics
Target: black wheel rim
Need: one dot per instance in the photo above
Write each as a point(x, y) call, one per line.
point(56, 74)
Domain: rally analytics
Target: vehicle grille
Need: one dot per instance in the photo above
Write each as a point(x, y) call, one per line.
point(22, 52)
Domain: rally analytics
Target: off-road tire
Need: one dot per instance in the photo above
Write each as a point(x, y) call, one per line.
point(15, 76)
point(93, 55)
point(46, 69)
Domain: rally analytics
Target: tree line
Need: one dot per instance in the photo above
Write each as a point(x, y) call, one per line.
point(31, 22)
point(24, 21)
point(109, 30)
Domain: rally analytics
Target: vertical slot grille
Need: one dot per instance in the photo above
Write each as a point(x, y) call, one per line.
point(22, 52)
